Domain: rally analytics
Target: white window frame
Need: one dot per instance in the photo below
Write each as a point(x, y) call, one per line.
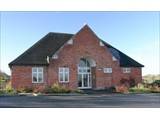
point(62, 70)
point(107, 70)
point(126, 70)
point(84, 71)
point(37, 74)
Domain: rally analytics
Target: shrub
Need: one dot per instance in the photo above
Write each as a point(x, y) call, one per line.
point(28, 89)
point(155, 89)
point(145, 88)
point(132, 82)
point(2, 92)
point(48, 89)
point(156, 83)
point(139, 90)
point(2, 83)
point(25, 90)
point(21, 90)
point(9, 89)
point(56, 88)
point(122, 89)
point(128, 82)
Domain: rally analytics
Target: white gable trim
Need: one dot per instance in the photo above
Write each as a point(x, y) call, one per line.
point(114, 58)
point(70, 42)
point(55, 55)
point(101, 43)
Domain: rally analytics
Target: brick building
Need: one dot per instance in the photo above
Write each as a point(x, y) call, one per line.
point(76, 61)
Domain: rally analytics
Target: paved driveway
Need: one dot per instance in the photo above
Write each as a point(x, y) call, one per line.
point(83, 101)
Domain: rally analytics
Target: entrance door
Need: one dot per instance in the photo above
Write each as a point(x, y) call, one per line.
point(84, 74)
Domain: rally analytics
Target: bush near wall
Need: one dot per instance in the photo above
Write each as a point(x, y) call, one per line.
point(25, 90)
point(146, 88)
point(128, 82)
point(125, 84)
point(8, 90)
point(129, 85)
point(139, 89)
point(56, 88)
point(122, 89)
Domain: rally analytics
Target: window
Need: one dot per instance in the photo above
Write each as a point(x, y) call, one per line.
point(63, 74)
point(126, 70)
point(37, 75)
point(107, 70)
point(84, 63)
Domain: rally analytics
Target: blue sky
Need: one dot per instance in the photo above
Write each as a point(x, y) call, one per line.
point(134, 33)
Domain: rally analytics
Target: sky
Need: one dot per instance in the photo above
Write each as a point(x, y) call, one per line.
point(134, 33)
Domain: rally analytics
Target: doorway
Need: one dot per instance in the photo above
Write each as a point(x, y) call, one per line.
point(84, 74)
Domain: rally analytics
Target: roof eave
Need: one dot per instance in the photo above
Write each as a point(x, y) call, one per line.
point(37, 64)
point(132, 66)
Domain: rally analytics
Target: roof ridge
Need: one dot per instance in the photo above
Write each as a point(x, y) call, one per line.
point(60, 33)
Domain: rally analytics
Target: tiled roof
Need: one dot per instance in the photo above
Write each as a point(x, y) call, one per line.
point(49, 44)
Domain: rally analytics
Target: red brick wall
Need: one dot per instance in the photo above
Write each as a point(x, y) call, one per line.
point(85, 44)
point(22, 77)
point(118, 75)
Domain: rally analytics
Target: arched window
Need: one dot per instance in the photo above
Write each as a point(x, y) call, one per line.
point(84, 63)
